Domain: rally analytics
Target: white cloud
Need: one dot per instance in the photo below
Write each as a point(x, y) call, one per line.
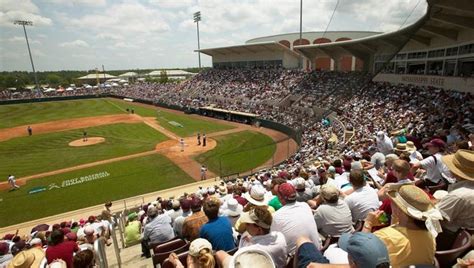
point(96, 3)
point(172, 4)
point(11, 10)
point(74, 44)
point(16, 39)
point(124, 18)
point(22, 39)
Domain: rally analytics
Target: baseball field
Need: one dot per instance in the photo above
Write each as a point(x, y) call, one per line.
point(126, 154)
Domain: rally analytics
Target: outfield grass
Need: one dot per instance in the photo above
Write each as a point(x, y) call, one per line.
point(127, 178)
point(190, 125)
point(46, 152)
point(238, 152)
point(30, 113)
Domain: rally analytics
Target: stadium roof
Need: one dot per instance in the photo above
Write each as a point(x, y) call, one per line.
point(128, 74)
point(171, 73)
point(95, 76)
point(444, 18)
point(253, 48)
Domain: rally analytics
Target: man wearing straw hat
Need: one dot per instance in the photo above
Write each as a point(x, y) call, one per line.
point(457, 206)
point(415, 224)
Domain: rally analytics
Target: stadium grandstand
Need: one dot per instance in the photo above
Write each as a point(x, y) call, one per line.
point(383, 175)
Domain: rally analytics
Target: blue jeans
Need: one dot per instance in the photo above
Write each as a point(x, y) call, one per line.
point(308, 253)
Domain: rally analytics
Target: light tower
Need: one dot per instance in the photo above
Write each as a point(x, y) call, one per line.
point(197, 19)
point(28, 23)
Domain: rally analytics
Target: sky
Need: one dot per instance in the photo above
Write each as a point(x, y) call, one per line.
point(153, 34)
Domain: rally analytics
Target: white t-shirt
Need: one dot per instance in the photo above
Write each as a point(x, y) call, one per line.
point(295, 220)
point(335, 255)
point(273, 243)
point(362, 201)
point(342, 182)
point(435, 169)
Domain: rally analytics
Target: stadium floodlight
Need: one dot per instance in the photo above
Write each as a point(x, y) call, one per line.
point(301, 31)
point(28, 23)
point(197, 19)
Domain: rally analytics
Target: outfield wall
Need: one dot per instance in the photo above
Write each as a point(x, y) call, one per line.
point(19, 101)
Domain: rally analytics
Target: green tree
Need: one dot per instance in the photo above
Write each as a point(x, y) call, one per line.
point(163, 76)
point(53, 79)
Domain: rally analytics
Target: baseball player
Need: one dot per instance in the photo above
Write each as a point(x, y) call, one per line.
point(12, 182)
point(204, 139)
point(203, 172)
point(199, 139)
point(30, 131)
point(181, 142)
point(84, 136)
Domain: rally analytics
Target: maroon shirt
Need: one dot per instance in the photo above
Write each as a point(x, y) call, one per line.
point(392, 179)
point(241, 200)
point(63, 251)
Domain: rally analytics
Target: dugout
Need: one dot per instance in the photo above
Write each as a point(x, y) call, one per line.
point(245, 118)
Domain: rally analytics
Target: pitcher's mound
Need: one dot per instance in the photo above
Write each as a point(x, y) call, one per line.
point(90, 141)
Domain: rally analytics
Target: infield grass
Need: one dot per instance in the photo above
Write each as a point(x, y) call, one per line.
point(181, 124)
point(127, 178)
point(238, 152)
point(30, 113)
point(47, 152)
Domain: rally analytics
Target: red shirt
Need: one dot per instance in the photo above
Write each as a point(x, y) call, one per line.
point(392, 179)
point(63, 251)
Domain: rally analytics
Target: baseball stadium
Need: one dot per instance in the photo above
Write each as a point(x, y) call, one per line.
point(331, 148)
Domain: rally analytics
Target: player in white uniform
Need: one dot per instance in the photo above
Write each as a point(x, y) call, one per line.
point(12, 182)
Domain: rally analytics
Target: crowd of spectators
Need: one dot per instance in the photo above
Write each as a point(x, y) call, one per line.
point(403, 182)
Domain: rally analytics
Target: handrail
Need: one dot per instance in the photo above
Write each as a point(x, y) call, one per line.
point(115, 242)
point(99, 248)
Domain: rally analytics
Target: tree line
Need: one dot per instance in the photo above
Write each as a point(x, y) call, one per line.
point(21, 79)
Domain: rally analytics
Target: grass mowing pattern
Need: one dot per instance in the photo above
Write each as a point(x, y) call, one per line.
point(30, 113)
point(47, 152)
point(127, 178)
point(191, 125)
point(238, 152)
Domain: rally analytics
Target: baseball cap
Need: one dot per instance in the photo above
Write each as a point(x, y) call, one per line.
point(287, 191)
point(329, 192)
point(199, 244)
point(186, 204)
point(366, 249)
point(436, 143)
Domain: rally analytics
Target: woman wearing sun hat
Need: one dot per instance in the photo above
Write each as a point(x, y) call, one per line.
point(457, 206)
point(412, 239)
